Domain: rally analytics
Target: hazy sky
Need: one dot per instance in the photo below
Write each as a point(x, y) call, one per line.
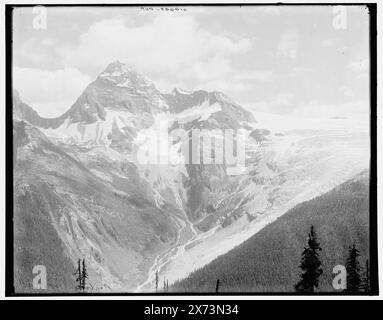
point(291, 60)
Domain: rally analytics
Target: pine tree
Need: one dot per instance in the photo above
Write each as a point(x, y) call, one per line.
point(217, 286)
point(366, 278)
point(310, 265)
point(84, 275)
point(78, 275)
point(353, 271)
point(156, 281)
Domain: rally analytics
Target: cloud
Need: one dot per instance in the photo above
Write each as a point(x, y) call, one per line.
point(172, 45)
point(50, 93)
point(359, 65)
point(281, 103)
point(284, 99)
point(261, 76)
point(360, 68)
point(288, 45)
point(271, 10)
point(347, 92)
point(301, 70)
point(327, 43)
point(34, 51)
point(232, 89)
point(49, 42)
point(237, 84)
point(209, 48)
point(358, 108)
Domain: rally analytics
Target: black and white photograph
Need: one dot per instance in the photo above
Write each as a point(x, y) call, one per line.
point(191, 149)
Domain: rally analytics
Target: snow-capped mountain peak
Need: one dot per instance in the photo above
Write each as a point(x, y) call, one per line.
point(177, 91)
point(167, 214)
point(124, 76)
point(117, 65)
point(120, 102)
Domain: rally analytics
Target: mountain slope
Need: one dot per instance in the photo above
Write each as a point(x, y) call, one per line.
point(269, 260)
point(121, 106)
point(78, 173)
point(66, 211)
point(133, 220)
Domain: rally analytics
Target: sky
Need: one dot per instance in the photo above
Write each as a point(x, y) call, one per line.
point(295, 60)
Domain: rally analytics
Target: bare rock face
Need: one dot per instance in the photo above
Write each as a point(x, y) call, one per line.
point(22, 111)
point(75, 177)
point(80, 190)
point(67, 208)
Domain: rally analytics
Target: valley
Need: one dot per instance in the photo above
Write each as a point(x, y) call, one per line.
point(80, 175)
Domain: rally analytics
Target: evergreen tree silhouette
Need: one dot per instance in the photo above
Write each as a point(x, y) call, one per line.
point(310, 265)
point(78, 275)
point(353, 271)
point(217, 286)
point(366, 278)
point(81, 275)
point(84, 275)
point(156, 281)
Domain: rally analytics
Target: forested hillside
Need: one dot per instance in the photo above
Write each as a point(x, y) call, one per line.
point(269, 261)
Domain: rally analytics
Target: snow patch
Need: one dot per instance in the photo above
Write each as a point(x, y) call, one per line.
point(201, 112)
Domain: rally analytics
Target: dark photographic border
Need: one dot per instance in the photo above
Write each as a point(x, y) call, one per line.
point(373, 245)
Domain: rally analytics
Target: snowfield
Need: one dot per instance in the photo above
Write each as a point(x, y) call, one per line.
point(301, 159)
point(171, 218)
point(312, 156)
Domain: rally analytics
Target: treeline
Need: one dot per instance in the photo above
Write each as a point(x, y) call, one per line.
point(84, 283)
point(269, 261)
point(350, 277)
point(36, 242)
